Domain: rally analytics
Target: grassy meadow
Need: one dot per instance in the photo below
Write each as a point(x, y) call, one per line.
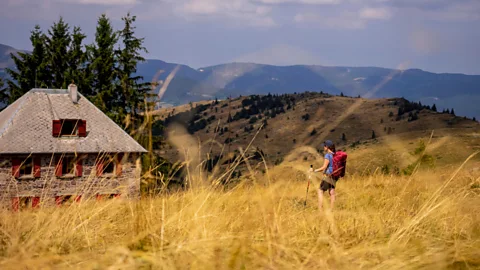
point(428, 220)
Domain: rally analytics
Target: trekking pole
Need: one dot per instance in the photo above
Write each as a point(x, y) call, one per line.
point(308, 185)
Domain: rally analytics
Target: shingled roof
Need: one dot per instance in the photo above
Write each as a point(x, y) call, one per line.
point(26, 126)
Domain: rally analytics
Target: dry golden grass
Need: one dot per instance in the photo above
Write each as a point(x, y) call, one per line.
point(430, 220)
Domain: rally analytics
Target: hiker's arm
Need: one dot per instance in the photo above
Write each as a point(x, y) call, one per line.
point(325, 165)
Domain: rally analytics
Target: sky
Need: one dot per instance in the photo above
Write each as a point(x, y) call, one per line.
point(434, 35)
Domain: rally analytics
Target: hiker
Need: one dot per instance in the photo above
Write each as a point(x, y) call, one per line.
point(328, 181)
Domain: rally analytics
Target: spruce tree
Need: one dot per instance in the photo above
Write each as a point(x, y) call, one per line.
point(434, 108)
point(133, 93)
point(31, 69)
point(23, 76)
point(58, 47)
point(452, 112)
point(78, 69)
point(102, 66)
point(3, 95)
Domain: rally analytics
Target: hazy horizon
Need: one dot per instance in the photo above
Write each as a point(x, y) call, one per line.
point(435, 36)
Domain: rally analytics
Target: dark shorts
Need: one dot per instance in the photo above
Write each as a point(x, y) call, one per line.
point(327, 183)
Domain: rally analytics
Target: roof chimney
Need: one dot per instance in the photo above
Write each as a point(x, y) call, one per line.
point(72, 91)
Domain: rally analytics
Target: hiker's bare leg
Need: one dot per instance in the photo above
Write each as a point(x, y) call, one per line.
point(320, 199)
point(332, 197)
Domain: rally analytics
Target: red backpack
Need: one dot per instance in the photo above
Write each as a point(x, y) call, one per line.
point(339, 164)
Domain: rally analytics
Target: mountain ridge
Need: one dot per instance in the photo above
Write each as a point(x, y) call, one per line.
point(446, 90)
point(276, 125)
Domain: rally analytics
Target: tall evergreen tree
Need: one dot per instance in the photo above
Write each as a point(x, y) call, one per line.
point(58, 47)
point(31, 68)
point(452, 112)
point(434, 108)
point(102, 65)
point(133, 93)
point(78, 68)
point(3, 94)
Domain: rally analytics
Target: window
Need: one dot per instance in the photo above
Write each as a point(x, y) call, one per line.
point(26, 168)
point(63, 200)
point(68, 166)
point(25, 202)
point(69, 128)
point(107, 196)
point(21, 203)
point(29, 167)
point(109, 167)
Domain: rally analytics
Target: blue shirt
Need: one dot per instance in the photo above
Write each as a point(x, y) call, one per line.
point(329, 169)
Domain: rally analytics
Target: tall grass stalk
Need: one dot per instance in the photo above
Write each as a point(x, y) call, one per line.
point(436, 225)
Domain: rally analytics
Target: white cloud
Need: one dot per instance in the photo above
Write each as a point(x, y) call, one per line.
point(341, 14)
point(101, 2)
point(205, 7)
point(310, 2)
point(438, 10)
point(345, 20)
point(243, 11)
point(375, 13)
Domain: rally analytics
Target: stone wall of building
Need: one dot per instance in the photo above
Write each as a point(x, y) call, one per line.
point(48, 186)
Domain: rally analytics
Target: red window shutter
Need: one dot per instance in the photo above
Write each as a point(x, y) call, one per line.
point(99, 197)
point(35, 202)
point(79, 167)
point(58, 200)
point(16, 167)
point(56, 128)
point(119, 164)
point(15, 203)
point(58, 168)
point(37, 167)
point(99, 167)
point(82, 128)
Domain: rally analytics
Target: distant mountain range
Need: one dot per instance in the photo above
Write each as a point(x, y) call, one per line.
point(446, 90)
point(458, 91)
